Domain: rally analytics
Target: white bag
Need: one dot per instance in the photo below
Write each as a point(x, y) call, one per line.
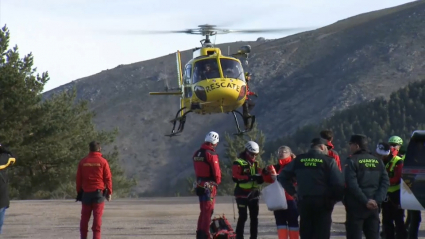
point(274, 196)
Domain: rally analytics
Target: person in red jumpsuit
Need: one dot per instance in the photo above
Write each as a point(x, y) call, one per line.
point(208, 177)
point(328, 135)
point(94, 183)
point(249, 104)
point(286, 220)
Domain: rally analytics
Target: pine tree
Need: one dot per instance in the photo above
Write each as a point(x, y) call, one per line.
point(48, 137)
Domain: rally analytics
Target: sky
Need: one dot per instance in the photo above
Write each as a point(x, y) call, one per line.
point(71, 39)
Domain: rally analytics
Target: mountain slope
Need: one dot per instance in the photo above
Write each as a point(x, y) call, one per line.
point(399, 115)
point(300, 79)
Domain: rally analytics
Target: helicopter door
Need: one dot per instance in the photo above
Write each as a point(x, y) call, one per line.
point(412, 186)
point(187, 79)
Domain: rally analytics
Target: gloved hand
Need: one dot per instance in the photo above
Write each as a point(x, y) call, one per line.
point(255, 94)
point(257, 178)
point(109, 197)
point(79, 196)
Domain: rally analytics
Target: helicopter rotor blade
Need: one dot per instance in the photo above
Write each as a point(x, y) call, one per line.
point(142, 32)
point(207, 29)
point(225, 31)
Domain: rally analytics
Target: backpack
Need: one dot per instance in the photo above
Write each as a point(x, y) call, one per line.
point(220, 228)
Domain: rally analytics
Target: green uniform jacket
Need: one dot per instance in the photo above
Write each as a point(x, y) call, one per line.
point(366, 178)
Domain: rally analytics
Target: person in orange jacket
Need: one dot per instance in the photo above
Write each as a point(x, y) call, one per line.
point(328, 135)
point(286, 220)
point(94, 183)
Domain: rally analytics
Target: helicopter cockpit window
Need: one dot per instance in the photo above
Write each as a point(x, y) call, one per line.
point(232, 69)
point(205, 69)
point(187, 74)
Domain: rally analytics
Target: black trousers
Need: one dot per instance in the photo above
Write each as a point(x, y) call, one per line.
point(393, 217)
point(412, 224)
point(245, 204)
point(315, 217)
point(358, 223)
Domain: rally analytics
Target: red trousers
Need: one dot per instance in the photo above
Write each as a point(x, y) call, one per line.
point(86, 211)
point(206, 203)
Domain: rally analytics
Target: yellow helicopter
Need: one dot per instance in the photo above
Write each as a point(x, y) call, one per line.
point(211, 82)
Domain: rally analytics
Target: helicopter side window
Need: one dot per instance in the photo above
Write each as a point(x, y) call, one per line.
point(232, 69)
point(205, 69)
point(187, 74)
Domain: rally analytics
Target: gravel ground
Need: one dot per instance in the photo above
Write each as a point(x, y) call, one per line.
point(153, 218)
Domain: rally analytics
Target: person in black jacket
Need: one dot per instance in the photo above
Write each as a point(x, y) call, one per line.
point(366, 187)
point(6, 160)
point(320, 185)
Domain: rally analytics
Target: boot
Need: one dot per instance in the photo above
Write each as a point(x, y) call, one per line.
point(282, 232)
point(201, 235)
point(294, 233)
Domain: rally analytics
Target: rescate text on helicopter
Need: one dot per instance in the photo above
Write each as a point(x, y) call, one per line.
point(211, 82)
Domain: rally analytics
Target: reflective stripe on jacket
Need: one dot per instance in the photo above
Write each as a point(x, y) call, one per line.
point(390, 166)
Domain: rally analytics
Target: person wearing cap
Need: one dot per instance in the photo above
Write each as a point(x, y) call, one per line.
point(6, 160)
point(392, 213)
point(93, 186)
point(286, 220)
point(366, 186)
point(319, 186)
point(249, 104)
point(246, 173)
point(328, 135)
point(208, 177)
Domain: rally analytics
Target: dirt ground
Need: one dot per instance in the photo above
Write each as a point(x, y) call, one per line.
point(154, 218)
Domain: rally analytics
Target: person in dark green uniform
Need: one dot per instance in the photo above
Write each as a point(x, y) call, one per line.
point(367, 183)
point(320, 185)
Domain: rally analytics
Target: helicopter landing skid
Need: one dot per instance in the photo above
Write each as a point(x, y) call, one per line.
point(182, 121)
point(250, 126)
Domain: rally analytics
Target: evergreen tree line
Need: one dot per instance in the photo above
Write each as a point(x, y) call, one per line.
point(378, 119)
point(48, 137)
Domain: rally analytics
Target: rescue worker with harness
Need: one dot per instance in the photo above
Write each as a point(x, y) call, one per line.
point(249, 104)
point(286, 220)
point(246, 173)
point(208, 177)
point(392, 213)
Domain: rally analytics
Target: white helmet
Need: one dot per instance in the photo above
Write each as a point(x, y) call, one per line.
point(252, 147)
point(212, 137)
